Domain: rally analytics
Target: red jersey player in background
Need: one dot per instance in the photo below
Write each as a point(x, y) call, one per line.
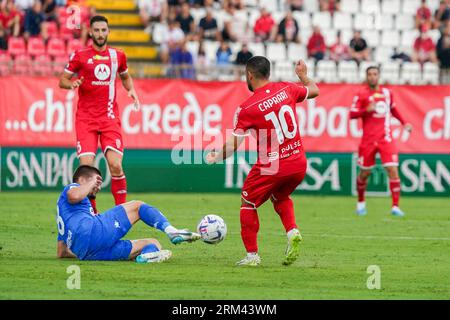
point(375, 105)
point(269, 115)
point(97, 114)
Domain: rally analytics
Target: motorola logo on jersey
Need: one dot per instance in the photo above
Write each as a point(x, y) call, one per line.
point(381, 108)
point(102, 72)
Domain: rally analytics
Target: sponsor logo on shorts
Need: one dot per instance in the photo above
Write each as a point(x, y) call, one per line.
point(245, 193)
point(118, 143)
point(78, 147)
point(116, 224)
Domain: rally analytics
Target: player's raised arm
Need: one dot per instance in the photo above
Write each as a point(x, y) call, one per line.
point(77, 194)
point(228, 149)
point(302, 72)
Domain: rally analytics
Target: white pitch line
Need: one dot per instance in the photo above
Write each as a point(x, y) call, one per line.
point(325, 235)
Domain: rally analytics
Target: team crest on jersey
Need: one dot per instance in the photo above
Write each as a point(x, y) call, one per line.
point(102, 72)
point(90, 61)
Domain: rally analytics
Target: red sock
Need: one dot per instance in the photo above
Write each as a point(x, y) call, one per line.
point(93, 204)
point(361, 186)
point(249, 228)
point(394, 185)
point(119, 189)
point(285, 210)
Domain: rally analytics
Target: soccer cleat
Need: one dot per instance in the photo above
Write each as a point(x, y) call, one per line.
point(293, 248)
point(396, 212)
point(361, 209)
point(252, 260)
point(183, 236)
point(157, 256)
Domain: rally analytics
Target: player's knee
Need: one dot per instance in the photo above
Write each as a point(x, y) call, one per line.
point(137, 204)
point(115, 166)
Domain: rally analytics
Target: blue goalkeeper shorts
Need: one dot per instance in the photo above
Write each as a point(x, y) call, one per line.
point(108, 230)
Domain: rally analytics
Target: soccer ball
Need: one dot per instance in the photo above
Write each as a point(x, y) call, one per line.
point(212, 228)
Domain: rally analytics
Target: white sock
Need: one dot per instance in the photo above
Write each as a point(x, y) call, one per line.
point(292, 232)
point(170, 229)
point(361, 205)
point(252, 254)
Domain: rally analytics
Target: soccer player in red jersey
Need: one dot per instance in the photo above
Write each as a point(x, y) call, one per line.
point(269, 115)
point(97, 114)
point(375, 105)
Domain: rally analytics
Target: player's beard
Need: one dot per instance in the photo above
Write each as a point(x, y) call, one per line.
point(100, 44)
point(249, 85)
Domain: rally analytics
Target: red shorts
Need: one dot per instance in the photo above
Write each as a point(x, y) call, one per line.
point(89, 132)
point(259, 188)
point(387, 150)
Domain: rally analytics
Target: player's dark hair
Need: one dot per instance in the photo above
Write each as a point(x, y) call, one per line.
point(372, 68)
point(85, 171)
point(95, 19)
point(259, 66)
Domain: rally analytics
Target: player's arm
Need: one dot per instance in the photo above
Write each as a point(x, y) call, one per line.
point(128, 84)
point(228, 149)
point(65, 81)
point(399, 117)
point(357, 110)
point(78, 193)
point(302, 72)
point(63, 252)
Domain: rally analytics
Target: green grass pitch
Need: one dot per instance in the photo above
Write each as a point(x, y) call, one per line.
point(412, 253)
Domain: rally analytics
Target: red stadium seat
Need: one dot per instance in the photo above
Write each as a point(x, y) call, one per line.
point(22, 65)
point(16, 46)
point(58, 65)
point(36, 46)
point(5, 64)
point(74, 45)
point(52, 28)
point(56, 47)
point(42, 65)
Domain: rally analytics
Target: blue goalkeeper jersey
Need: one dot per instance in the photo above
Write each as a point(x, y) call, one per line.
point(74, 222)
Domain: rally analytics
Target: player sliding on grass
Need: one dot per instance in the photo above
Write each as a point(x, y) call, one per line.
point(375, 105)
point(84, 235)
point(270, 116)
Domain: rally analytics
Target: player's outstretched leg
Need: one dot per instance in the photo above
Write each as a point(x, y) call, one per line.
point(285, 209)
point(148, 251)
point(249, 234)
point(138, 210)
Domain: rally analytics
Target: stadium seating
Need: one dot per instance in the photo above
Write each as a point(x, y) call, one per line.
point(257, 49)
point(383, 54)
point(363, 67)
point(5, 64)
point(410, 6)
point(348, 71)
point(36, 46)
point(303, 19)
point(370, 6)
point(326, 71)
point(74, 45)
point(58, 64)
point(52, 28)
point(390, 71)
point(322, 19)
point(284, 71)
point(296, 51)
point(404, 22)
point(390, 6)
point(390, 38)
point(22, 65)
point(56, 47)
point(350, 6)
point(372, 37)
point(430, 73)
point(276, 52)
point(342, 20)
point(16, 46)
point(410, 73)
point(42, 65)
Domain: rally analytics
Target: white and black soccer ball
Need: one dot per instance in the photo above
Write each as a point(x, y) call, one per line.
point(212, 228)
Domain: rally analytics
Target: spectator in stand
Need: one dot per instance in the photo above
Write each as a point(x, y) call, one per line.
point(186, 21)
point(295, 5)
point(288, 29)
point(223, 54)
point(182, 61)
point(339, 51)
point(424, 48)
point(316, 45)
point(442, 15)
point(9, 19)
point(443, 54)
point(236, 4)
point(23, 5)
point(173, 37)
point(3, 43)
point(234, 26)
point(243, 56)
point(34, 17)
point(264, 26)
point(329, 5)
point(208, 28)
point(359, 50)
point(49, 9)
point(423, 15)
point(152, 11)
